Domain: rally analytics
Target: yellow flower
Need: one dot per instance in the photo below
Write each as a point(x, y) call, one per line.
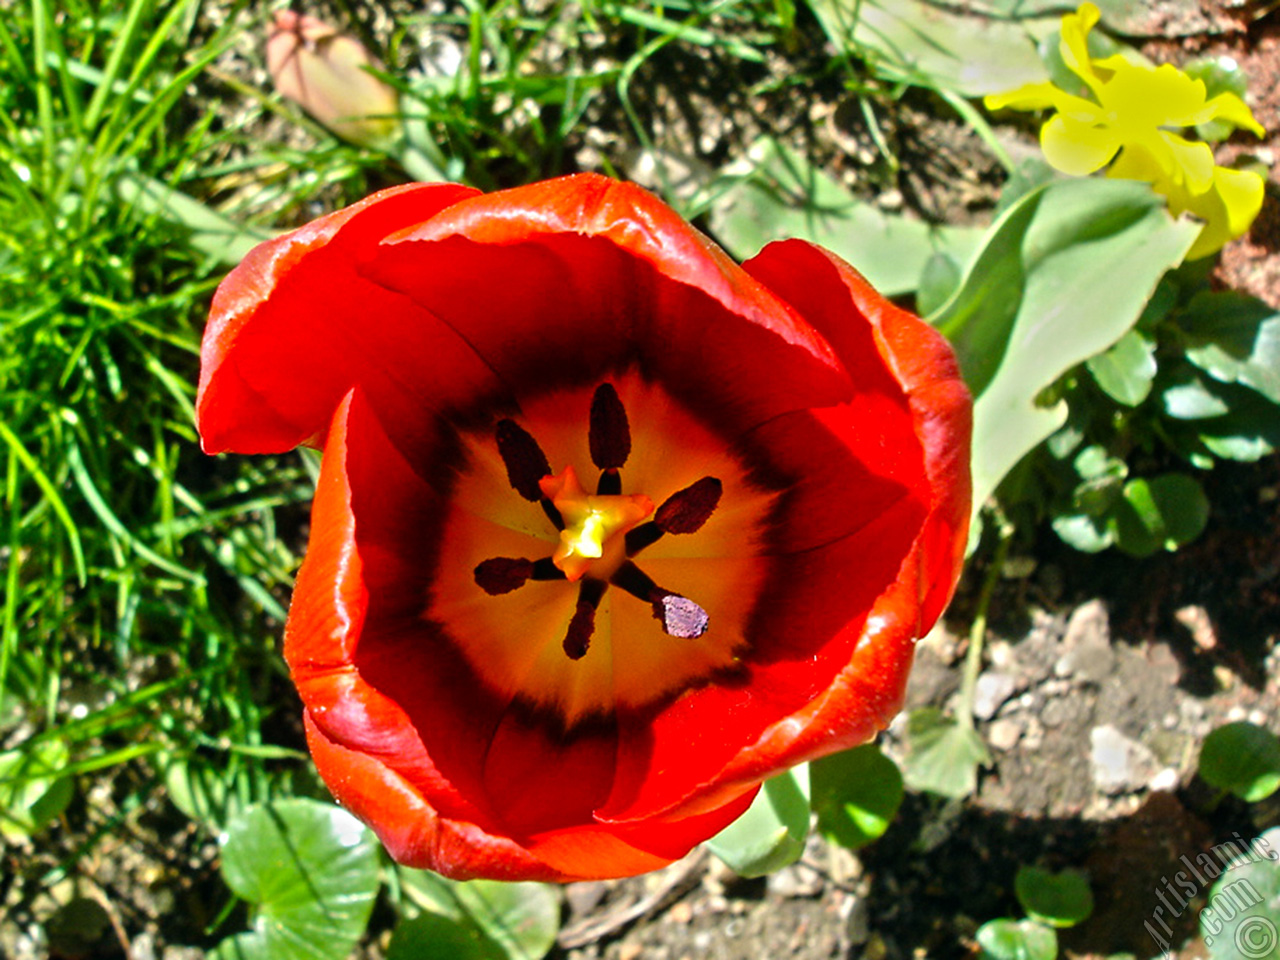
point(1131, 115)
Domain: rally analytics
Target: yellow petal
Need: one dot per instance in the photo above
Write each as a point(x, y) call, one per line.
point(1193, 162)
point(1229, 107)
point(1242, 193)
point(1074, 47)
point(1136, 163)
point(1077, 148)
point(1029, 96)
point(1143, 98)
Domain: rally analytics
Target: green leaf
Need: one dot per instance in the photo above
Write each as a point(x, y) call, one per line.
point(1057, 899)
point(1166, 511)
point(520, 920)
point(432, 936)
point(310, 869)
point(942, 756)
point(772, 833)
point(1088, 534)
point(196, 789)
point(1017, 940)
point(1062, 276)
point(786, 196)
point(1249, 432)
point(939, 280)
point(856, 795)
point(937, 45)
point(32, 791)
point(1242, 758)
point(1234, 338)
point(1125, 371)
point(1239, 920)
point(1189, 397)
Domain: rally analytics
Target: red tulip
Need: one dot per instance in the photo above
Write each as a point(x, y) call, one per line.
point(608, 530)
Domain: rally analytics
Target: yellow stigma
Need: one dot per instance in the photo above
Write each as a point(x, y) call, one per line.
point(593, 525)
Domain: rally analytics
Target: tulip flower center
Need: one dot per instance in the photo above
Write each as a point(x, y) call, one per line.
point(590, 524)
point(580, 599)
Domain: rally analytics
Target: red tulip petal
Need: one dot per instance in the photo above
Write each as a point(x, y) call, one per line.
point(597, 275)
point(294, 327)
point(835, 623)
point(411, 830)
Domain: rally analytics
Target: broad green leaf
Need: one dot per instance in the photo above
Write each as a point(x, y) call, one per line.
point(520, 919)
point(1088, 534)
point(1017, 940)
point(856, 795)
point(938, 45)
point(32, 793)
point(433, 936)
point(1166, 511)
point(1126, 370)
point(311, 871)
point(1189, 397)
point(939, 279)
point(1057, 899)
point(1242, 758)
point(772, 833)
point(1240, 919)
point(1234, 338)
point(1063, 275)
point(786, 196)
point(1102, 480)
point(1249, 432)
point(942, 756)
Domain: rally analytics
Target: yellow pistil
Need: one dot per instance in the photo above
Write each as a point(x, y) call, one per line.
point(592, 538)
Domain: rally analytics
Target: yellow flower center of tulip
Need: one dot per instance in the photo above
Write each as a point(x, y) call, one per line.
point(590, 524)
point(583, 598)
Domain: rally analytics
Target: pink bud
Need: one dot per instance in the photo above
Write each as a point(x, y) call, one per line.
point(325, 73)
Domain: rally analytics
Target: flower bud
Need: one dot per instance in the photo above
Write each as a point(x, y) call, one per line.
point(326, 73)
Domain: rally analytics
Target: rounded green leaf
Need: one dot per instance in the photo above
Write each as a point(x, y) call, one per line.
point(942, 757)
point(433, 936)
point(32, 793)
point(1240, 919)
point(1125, 371)
point(856, 795)
point(311, 871)
point(1166, 511)
point(521, 919)
point(1057, 899)
point(1243, 759)
point(1017, 940)
point(772, 833)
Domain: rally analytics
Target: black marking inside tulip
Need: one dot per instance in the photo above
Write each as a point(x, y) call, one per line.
point(609, 432)
point(583, 623)
point(684, 512)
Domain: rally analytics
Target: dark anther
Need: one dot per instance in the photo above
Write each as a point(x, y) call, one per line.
point(610, 484)
point(503, 574)
point(583, 623)
point(679, 616)
point(685, 511)
point(525, 462)
point(609, 433)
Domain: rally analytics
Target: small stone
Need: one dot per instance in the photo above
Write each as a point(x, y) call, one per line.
point(1004, 734)
point(794, 882)
point(1196, 619)
point(1086, 644)
point(630, 951)
point(1120, 764)
point(991, 691)
point(1166, 780)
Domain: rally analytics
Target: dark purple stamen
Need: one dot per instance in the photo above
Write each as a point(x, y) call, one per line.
point(525, 462)
point(578, 638)
point(501, 575)
point(679, 616)
point(685, 511)
point(609, 433)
